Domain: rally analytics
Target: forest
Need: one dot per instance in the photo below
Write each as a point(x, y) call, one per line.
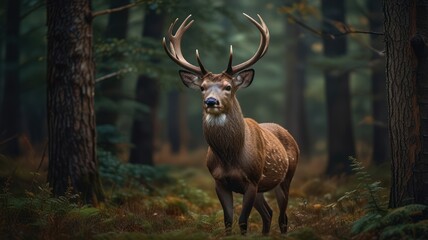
point(100, 138)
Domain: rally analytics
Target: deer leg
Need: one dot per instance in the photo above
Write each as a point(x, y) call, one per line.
point(247, 204)
point(226, 199)
point(265, 212)
point(281, 193)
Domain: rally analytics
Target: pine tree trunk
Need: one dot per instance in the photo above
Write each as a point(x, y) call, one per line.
point(71, 116)
point(402, 101)
point(147, 93)
point(381, 149)
point(420, 46)
point(117, 28)
point(10, 112)
point(295, 65)
point(173, 119)
point(341, 143)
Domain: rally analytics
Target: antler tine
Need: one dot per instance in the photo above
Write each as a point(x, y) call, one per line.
point(201, 66)
point(174, 50)
point(263, 46)
point(229, 65)
point(267, 34)
point(183, 27)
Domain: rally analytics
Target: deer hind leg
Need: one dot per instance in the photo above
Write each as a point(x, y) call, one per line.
point(281, 193)
point(265, 212)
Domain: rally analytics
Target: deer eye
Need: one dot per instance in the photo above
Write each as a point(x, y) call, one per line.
point(202, 89)
point(228, 88)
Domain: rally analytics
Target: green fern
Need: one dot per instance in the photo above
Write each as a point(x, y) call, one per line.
point(369, 189)
point(407, 222)
point(369, 193)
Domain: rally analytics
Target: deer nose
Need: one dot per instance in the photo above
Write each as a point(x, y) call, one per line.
point(211, 102)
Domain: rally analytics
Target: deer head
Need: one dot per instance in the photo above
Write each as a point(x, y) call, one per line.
point(218, 90)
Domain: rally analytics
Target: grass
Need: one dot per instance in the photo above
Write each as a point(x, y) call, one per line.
point(180, 203)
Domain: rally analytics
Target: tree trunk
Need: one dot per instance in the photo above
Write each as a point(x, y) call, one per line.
point(117, 28)
point(419, 43)
point(295, 64)
point(402, 100)
point(71, 117)
point(339, 121)
point(381, 150)
point(147, 93)
point(10, 112)
point(173, 119)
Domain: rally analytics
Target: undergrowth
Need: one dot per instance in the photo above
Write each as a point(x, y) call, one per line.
point(162, 203)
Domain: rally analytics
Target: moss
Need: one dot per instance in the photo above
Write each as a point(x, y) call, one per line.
point(407, 222)
point(303, 234)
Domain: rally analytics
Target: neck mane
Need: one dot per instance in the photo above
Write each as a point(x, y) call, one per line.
point(225, 133)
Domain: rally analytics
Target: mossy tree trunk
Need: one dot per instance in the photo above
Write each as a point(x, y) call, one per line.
point(341, 143)
point(10, 110)
point(71, 116)
point(406, 28)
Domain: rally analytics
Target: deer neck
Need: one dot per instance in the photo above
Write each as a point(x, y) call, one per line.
point(225, 133)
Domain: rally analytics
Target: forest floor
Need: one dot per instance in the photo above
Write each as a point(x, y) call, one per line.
point(177, 201)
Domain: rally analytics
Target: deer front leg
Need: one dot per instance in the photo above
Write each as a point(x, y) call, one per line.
point(247, 204)
point(226, 199)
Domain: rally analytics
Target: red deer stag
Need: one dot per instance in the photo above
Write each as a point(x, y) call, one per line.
point(243, 156)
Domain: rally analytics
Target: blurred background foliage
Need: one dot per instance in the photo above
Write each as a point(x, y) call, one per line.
point(217, 25)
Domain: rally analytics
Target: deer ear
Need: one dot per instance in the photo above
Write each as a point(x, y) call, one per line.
point(244, 78)
point(189, 79)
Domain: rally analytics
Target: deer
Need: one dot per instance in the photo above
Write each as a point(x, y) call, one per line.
point(243, 156)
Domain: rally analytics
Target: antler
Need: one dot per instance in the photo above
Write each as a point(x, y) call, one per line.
point(174, 51)
point(264, 44)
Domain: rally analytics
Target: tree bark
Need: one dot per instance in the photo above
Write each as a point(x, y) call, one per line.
point(402, 100)
point(295, 65)
point(117, 28)
point(71, 117)
point(381, 150)
point(147, 93)
point(10, 112)
point(419, 43)
point(341, 143)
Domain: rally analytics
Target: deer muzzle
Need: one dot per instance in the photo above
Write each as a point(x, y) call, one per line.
point(211, 102)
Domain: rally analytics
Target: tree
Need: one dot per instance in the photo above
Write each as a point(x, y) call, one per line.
point(71, 116)
point(175, 120)
point(117, 29)
point(10, 120)
point(339, 121)
point(406, 34)
point(147, 93)
point(379, 105)
point(295, 65)
point(420, 47)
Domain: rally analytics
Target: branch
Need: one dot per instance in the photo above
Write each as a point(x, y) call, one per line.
point(304, 25)
point(110, 75)
point(346, 29)
point(32, 10)
point(113, 10)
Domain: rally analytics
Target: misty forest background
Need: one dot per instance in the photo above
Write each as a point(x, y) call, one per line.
point(324, 78)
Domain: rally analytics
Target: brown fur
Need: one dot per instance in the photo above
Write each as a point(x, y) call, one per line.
point(243, 153)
